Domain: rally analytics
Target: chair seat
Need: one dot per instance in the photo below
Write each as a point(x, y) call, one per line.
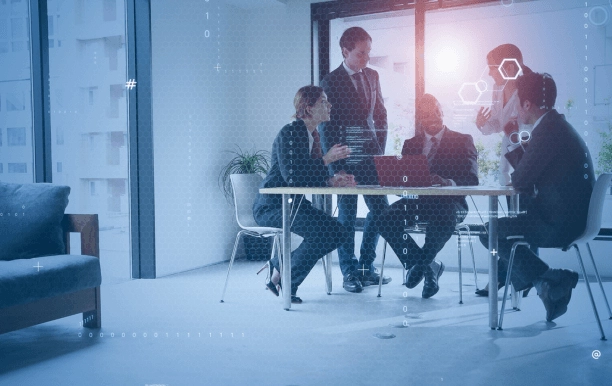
point(264, 231)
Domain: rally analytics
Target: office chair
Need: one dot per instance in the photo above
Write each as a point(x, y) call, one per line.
point(245, 188)
point(593, 226)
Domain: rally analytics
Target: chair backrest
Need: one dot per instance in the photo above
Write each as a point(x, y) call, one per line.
point(595, 208)
point(245, 188)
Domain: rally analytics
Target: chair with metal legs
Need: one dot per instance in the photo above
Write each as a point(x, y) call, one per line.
point(593, 226)
point(458, 230)
point(245, 188)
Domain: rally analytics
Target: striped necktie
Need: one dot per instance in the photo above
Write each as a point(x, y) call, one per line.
point(316, 151)
point(432, 151)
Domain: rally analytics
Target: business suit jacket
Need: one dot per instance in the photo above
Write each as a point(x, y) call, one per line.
point(348, 110)
point(556, 167)
point(455, 159)
point(291, 164)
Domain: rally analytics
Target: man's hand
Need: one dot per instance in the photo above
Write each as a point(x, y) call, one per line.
point(337, 152)
point(341, 180)
point(437, 180)
point(484, 114)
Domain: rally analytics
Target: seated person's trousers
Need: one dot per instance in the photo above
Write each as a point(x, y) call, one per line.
point(438, 215)
point(527, 266)
point(321, 232)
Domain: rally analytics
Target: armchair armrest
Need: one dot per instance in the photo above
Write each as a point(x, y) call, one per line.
point(87, 226)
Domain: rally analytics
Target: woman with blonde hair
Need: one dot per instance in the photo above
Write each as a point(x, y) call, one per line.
point(297, 160)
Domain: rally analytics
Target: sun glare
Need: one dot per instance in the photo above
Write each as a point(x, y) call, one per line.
point(447, 60)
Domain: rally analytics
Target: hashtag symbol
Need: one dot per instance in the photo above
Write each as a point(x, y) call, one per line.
point(130, 84)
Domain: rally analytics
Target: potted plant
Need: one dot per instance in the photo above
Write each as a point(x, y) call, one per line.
point(604, 164)
point(244, 162)
point(247, 162)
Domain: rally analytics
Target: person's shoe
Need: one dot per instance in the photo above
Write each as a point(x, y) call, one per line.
point(351, 283)
point(556, 293)
point(432, 274)
point(415, 275)
point(373, 278)
point(296, 300)
point(485, 291)
point(273, 279)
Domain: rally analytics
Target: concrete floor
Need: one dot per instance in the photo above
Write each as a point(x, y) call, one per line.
point(173, 331)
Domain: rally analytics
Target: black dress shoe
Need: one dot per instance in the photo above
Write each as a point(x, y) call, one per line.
point(415, 275)
point(296, 300)
point(432, 274)
point(373, 278)
point(557, 293)
point(352, 284)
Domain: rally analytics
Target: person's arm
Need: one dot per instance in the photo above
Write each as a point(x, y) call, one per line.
point(380, 118)
point(467, 164)
point(492, 126)
point(331, 131)
point(537, 156)
point(489, 120)
point(295, 163)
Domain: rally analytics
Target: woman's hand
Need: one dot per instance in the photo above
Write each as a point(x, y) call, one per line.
point(511, 127)
point(337, 152)
point(483, 116)
point(341, 180)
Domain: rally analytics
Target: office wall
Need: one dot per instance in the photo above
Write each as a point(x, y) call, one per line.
point(200, 112)
point(197, 113)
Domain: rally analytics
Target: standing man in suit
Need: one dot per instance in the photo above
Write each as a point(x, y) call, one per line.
point(452, 160)
point(354, 91)
point(554, 166)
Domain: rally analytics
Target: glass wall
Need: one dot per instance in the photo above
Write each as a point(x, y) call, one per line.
point(565, 38)
point(87, 68)
point(571, 40)
point(16, 135)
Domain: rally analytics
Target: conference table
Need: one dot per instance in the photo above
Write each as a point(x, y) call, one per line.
point(493, 192)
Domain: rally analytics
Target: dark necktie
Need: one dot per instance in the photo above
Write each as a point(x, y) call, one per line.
point(362, 88)
point(316, 151)
point(432, 151)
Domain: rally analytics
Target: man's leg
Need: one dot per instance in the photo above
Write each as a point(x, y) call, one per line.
point(527, 266)
point(391, 226)
point(441, 219)
point(347, 214)
point(554, 286)
point(377, 206)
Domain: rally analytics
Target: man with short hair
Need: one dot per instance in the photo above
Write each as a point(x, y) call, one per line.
point(359, 119)
point(554, 166)
point(452, 160)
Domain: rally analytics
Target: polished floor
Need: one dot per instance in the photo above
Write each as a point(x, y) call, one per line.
point(173, 331)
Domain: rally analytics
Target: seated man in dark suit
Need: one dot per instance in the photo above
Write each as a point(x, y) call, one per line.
point(554, 166)
point(452, 160)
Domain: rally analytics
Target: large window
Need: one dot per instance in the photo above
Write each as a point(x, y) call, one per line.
point(16, 151)
point(87, 67)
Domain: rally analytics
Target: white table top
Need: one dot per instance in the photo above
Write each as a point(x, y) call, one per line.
point(380, 190)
